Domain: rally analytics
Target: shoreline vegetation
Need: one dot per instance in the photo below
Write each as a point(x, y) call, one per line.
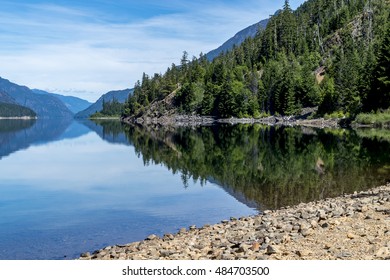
point(353, 226)
point(104, 118)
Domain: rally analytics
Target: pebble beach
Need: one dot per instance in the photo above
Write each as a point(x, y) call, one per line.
point(350, 227)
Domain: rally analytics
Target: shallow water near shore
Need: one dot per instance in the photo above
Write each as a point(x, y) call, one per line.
point(68, 187)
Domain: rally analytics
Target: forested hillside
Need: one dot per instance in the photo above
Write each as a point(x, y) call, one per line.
point(333, 54)
point(8, 110)
point(107, 104)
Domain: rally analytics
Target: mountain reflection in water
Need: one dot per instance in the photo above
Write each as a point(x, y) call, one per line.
point(269, 167)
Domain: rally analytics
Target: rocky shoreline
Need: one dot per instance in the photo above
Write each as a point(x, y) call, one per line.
point(355, 226)
point(195, 120)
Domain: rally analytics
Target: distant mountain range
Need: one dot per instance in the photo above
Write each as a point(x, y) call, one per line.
point(119, 95)
point(45, 106)
point(43, 103)
point(51, 105)
point(74, 104)
point(237, 39)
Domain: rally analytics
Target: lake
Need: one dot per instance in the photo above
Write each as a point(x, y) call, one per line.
point(68, 187)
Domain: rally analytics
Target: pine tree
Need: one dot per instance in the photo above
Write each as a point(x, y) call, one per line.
point(379, 96)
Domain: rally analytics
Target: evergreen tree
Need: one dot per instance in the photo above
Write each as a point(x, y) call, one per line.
point(379, 96)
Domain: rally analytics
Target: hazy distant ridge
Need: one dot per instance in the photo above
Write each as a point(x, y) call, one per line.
point(74, 104)
point(119, 95)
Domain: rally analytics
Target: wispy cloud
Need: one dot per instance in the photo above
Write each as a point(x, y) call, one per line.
point(65, 47)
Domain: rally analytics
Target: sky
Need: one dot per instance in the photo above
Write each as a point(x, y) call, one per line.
point(87, 48)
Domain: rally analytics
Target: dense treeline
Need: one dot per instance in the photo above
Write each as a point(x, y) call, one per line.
point(333, 54)
point(110, 108)
point(8, 110)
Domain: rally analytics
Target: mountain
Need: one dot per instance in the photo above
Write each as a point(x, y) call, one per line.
point(237, 39)
point(329, 55)
point(5, 98)
point(74, 104)
point(9, 108)
point(119, 95)
point(45, 106)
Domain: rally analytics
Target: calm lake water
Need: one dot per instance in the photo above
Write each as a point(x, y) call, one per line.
point(67, 187)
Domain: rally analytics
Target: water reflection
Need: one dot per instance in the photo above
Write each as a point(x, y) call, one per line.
point(68, 191)
point(269, 167)
point(64, 197)
point(109, 130)
point(18, 134)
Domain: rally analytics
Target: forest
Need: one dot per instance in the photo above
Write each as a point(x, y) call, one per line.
point(111, 108)
point(8, 110)
point(330, 54)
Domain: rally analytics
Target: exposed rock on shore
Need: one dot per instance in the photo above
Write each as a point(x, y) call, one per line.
point(195, 120)
point(355, 226)
point(170, 117)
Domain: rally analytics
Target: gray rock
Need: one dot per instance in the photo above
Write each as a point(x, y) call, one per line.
point(325, 225)
point(287, 228)
point(306, 232)
point(304, 215)
point(166, 253)
point(168, 236)
point(271, 250)
point(243, 248)
point(343, 255)
point(337, 212)
point(152, 237)
point(85, 255)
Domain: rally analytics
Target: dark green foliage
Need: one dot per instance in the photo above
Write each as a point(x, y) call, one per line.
point(113, 107)
point(333, 54)
point(379, 119)
point(8, 110)
point(110, 108)
point(379, 94)
point(273, 166)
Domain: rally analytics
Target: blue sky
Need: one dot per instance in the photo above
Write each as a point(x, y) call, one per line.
point(86, 48)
